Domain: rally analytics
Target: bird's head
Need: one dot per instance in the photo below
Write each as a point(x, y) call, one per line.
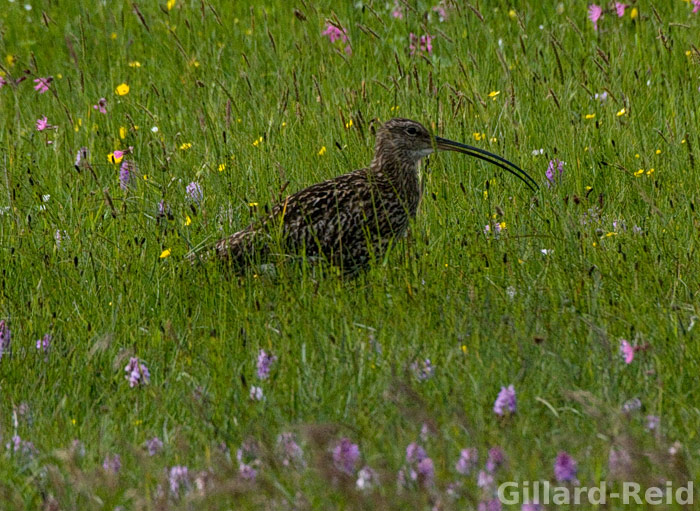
point(409, 141)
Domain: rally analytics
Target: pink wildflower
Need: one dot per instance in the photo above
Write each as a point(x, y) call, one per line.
point(696, 6)
point(101, 104)
point(594, 14)
point(627, 351)
point(440, 11)
point(620, 8)
point(3, 82)
point(397, 12)
point(422, 44)
point(42, 84)
point(334, 33)
point(42, 124)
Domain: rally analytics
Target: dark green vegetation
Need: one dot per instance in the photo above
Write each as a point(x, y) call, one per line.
point(254, 103)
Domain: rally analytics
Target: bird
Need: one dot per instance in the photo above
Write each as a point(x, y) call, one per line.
point(353, 218)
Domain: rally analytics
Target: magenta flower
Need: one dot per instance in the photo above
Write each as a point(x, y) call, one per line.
point(44, 343)
point(653, 422)
point(346, 455)
point(423, 369)
point(565, 468)
point(620, 9)
point(3, 82)
point(126, 173)
point(290, 450)
point(496, 459)
point(555, 166)
point(594, 14)
point(179, 479)
point(101, 106)
point(398, 11)
point(485, 480)
point(137, 373)
point(5, 338)
point(420, 45)
point(490, 505)
point(426, 471)
point(627, 351)
point(112, 464)
point(415, 453)
point(506, 401)
point(42, 124)
point(265, 361)
point(42, 84)
point(696, 4)
point(247, 472)
point(154, 445)
point(468, 459)
point(441, 11)
point(336, 34)
point(194, 191)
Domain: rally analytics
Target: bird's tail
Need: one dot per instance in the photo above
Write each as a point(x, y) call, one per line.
point(241, 248)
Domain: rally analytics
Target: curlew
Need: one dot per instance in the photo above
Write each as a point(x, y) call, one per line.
point(353, 218)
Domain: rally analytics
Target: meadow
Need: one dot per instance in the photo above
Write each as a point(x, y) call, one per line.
point(132, 133)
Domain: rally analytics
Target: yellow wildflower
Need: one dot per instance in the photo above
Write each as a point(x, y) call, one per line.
point(658, 151)
point(348, 124)
point(502, 225)
point(494, 93)
point(639, 172)
point(478, 136)
point(115, 159)
point(322, 151)
point(650, 172)
point(394, 108)
point(636, 155)
point(122, 132)
point(512, 13)
point(134, 63)
point(170, 4)
point(185, 146)
point(222, 167)
point(610, 234)
point(113, 35)
point(493, 140)
point(10, 60)
point(486, 194)
point(621, 112)
point(122, 89)
point(634, 13)
point(590, 116)
point(688, 53)
point(258, 141)
point(165, 253)
point(188, 220)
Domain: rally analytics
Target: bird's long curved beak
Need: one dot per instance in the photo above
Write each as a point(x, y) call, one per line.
point(449, 145)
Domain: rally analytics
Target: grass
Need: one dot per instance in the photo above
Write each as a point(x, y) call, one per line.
point(620, 246)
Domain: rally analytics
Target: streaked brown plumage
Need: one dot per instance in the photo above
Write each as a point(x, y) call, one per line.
point(352, 218)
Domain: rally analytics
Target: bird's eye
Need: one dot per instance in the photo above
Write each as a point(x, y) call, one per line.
point(412, 131)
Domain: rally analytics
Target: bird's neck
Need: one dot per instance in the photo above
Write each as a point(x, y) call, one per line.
point(398, 177)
